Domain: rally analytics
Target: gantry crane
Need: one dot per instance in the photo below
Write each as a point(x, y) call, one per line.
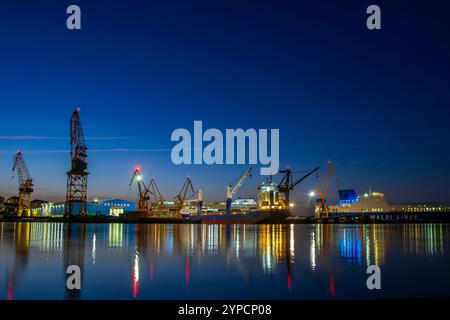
point(143, 192)
point(25, 185)
point(76, 194)
point(287, 183)
point(231, 190)
point(322, 189)
point(181, 197)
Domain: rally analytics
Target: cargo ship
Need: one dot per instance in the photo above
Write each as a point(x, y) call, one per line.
point(373, 206)
point(269, 208)
point(252, 217)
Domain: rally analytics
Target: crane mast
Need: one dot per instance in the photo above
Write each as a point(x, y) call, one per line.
point(231, 190)
point(76, 195)
point(25, 185)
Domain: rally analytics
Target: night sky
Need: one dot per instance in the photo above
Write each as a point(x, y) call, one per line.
point(375, 102)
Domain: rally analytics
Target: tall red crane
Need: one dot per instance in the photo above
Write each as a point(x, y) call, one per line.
point(25, 185)
point(76, 194)
point(143, 192)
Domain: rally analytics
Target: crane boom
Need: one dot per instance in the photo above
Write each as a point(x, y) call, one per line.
point(287, 184)
point(241, 180)
point(78, 150)
point(304, 177)
point(25, 184)
point(159, 199)
point(20, 167)
point(231, 190)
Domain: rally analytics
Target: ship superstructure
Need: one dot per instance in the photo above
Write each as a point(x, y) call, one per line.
point(374, 206)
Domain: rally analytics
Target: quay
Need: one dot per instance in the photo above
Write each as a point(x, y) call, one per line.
point(174, 220)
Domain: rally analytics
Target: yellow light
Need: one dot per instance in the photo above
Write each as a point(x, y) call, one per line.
point(138, 178)
point(291, 205)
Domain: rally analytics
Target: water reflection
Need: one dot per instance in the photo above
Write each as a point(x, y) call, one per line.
point(200, 253)
point(21, 233)
point(74, 249)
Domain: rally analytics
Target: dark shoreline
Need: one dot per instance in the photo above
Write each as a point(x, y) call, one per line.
point(99, 219)
point(156, 220)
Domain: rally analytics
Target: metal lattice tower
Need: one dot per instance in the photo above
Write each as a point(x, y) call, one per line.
point(77, 176)
point(25, 185)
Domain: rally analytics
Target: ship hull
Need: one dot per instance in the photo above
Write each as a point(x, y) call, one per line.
point(255, 217)
point(396, 216)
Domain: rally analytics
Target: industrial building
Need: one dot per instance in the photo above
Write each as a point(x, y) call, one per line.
point(110, 207)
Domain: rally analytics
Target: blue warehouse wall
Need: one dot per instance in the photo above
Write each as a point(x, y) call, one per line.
point(102, 207)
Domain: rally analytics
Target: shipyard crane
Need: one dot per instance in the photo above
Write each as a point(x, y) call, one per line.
point(231, 190)
point(76, 193)
point(143, 192)
point(198, 200)
point(287, 183)
point(158, 198)
point(181, 197)
point(322, 189)
point(25, 185)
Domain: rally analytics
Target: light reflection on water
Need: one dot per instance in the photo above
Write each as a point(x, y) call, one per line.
point(160, 261)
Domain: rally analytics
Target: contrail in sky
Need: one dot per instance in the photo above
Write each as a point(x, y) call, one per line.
point(61, 138)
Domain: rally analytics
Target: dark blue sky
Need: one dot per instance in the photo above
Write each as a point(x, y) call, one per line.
point(375, 102)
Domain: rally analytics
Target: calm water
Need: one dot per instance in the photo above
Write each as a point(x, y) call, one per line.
point(126, 261)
